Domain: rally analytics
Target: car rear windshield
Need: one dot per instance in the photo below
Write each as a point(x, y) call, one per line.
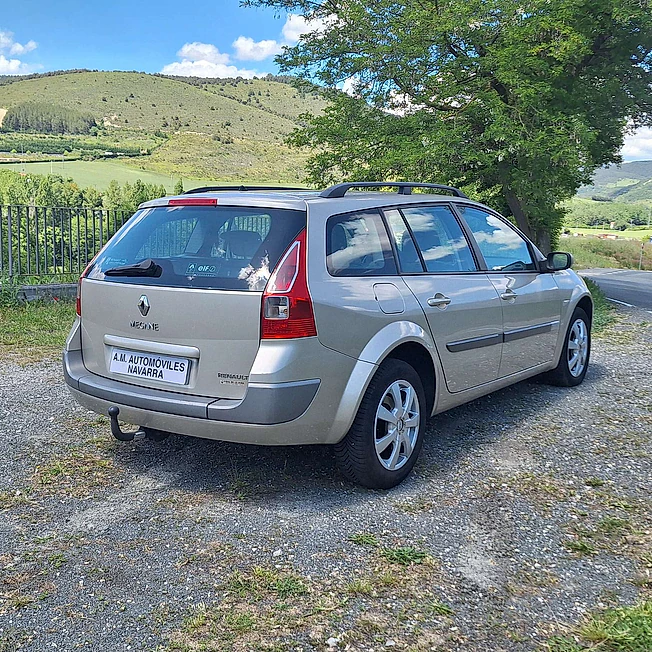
point(218, 248)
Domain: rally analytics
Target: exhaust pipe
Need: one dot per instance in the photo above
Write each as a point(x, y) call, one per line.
point(114, 411)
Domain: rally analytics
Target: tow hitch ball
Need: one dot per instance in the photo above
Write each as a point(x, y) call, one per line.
point(114, 411)
point(141, 433)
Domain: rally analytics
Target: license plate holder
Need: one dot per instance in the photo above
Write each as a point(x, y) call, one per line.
point(150, 366)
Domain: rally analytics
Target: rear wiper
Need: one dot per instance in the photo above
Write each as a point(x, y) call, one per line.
point(144, 268)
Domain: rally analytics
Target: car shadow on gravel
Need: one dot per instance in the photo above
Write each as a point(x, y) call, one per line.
point(300, 474)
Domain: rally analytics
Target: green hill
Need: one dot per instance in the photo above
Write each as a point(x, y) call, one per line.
point(629, 182)
point(231, 129)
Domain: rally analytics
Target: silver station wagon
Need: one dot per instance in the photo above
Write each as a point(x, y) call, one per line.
point(348, 317)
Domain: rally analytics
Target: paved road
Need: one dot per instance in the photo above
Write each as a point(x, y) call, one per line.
point(624, 285)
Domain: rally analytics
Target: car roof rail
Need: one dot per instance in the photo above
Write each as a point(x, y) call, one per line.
point(237, 189)
point(404, 188)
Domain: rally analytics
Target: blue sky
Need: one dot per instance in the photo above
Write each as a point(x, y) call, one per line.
point(206, 39)
point(137, 35)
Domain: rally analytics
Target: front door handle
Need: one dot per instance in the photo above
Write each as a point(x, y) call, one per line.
point(508, 295)
point(439, 300)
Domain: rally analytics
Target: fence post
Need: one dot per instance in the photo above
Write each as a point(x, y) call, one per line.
point(10, 244)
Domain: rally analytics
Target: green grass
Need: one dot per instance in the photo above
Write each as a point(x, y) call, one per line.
point(35, 330)
point(623, 629)
point(364, 539)
point(580, 547)
point(632, 234)
point(604, 314)
point(137, 101)
point(440, 608)
point(100, 173)
point(240, 160)
point(264, 580)
point(404, 556)
point(595, 252)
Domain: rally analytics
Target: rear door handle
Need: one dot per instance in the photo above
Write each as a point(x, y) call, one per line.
point(439, 301)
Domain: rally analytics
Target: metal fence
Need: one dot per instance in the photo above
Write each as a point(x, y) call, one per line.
point(41, 244)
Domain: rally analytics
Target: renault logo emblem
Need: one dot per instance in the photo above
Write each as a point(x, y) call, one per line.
point(143, 305)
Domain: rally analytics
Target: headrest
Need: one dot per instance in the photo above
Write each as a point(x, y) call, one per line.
point(241, 244)
point(339, 240)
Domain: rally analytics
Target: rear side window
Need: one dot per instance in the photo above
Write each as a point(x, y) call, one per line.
point(219, 248)
point(408, 256)
point(502, 247)
point(357, 245)
point(438, 237)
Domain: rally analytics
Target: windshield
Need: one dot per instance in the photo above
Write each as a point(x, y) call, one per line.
point(219, 248)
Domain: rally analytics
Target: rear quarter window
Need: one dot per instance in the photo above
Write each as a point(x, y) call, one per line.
point(357, 244)
point(220, 248)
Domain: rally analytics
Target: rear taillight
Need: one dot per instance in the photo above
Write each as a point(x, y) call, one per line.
point(79, 284)
point(287, 307)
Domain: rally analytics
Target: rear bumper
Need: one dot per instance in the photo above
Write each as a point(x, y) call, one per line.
point(264, 404)
point(312, 411)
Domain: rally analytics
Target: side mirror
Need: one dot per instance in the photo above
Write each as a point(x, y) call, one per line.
point(557, 261)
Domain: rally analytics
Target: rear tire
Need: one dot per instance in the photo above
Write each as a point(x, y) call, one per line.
point(386, 436)
point(574, 359)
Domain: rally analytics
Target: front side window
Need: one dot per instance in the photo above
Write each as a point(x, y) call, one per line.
point(438, 237)
point(503, 249)
point(357, 245)
point(212, 247)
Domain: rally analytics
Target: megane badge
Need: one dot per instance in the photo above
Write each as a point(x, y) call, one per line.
point(143, 305)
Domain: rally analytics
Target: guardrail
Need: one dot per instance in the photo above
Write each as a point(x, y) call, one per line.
point(40, 244)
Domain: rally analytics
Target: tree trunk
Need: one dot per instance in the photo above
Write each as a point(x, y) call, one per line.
point(515, 207)
point(540, 237)
point(542, 240)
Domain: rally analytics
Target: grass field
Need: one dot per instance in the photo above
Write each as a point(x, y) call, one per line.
point(100, 173)
point(633, 234)
point(228, 130)
point(147, 103)
point(243, 160)
point(595, 252)
point(35, 330)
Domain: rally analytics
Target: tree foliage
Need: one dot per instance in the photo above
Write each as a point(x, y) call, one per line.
point(516, 101)
point(47, 119)
point(56, 191)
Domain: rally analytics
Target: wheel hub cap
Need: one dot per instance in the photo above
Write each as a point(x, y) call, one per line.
point(397, 425)
point(578, 348)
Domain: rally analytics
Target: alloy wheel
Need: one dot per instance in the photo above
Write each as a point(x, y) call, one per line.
point(397, 424)
point(578, 348)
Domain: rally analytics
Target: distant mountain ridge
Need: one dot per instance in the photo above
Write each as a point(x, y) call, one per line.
point(628, 182)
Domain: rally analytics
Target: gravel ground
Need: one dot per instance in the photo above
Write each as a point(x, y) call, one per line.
point(528, 508)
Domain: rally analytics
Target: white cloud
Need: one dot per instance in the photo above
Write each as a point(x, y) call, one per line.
point(296, 25)
point(17, 48)
point(14, 66)
point(200, 68)
point(246, 49)
point(202, 52)
point(204, 60)
point(638, 146)
point(349, 86)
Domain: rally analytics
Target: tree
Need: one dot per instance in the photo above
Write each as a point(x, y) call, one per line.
point(518, 102)
point(178, 187)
